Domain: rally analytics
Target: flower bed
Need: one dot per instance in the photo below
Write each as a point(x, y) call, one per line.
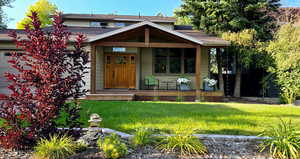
point(219, 146)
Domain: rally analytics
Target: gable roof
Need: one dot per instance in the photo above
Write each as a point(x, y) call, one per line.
point(109, 17)
point(190, 37)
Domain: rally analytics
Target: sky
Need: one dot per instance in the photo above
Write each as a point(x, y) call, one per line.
point(127, 7)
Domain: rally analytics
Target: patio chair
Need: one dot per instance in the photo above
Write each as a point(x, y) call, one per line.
point(151, 81)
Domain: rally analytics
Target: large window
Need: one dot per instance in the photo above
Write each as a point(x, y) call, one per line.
point(189, 60)
point(161, 60)
point(174, 61)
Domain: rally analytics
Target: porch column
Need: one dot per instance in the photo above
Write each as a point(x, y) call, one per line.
point(93, 69)
point(198, 72)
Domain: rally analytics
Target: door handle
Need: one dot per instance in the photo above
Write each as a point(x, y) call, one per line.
point(113, 74)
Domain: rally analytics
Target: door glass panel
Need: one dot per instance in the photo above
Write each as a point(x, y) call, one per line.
point(121, 60)
point(108, 59)
point(132, 59)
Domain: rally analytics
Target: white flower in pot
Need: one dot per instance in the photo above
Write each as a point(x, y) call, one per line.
point(209, 84)
point(183, 83)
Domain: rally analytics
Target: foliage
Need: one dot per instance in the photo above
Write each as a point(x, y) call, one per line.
point(81, 146)
point(284, 141)
point(285, 50)
point(243, 45)
point(48, 75)
point(182, 20)
point(235, 16)
point(112, 147)
point(55, 148)
point(218, 16)
point(142, 137)
point(3, 17)
point(45, 10)
point(184, 143)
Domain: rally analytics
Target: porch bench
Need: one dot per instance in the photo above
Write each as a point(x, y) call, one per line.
point(151, 81)
point(169, 85)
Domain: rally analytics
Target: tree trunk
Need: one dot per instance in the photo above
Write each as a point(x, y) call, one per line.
point(220, 73)
point(238, 79)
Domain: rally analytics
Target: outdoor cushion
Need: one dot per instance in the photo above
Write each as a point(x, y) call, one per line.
point(151, 81)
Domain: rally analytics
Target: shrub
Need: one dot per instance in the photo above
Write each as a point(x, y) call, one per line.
point(142, 137)
point(55, 148)
point(48, 75)
point(81, 146)
point(284, 141)
point(184, 143)
point(112, 147)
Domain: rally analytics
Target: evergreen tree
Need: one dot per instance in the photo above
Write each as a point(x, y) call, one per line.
point(220, 16)
point(4, 3)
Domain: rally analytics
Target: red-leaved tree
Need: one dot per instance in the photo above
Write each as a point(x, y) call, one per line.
point(48, 75)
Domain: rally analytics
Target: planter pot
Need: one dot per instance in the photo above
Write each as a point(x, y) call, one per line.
point(297, 102)
point(206, 87)
point(184, 87)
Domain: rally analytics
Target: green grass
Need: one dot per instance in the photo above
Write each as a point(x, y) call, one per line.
point(212, 118)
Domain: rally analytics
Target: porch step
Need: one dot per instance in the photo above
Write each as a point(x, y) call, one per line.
point(111, 97)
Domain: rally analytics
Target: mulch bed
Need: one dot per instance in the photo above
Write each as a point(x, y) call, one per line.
point(11, 154)
point(147, 152)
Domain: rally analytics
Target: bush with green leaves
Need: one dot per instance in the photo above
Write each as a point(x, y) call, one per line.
point(112, 147)
point(285, 51)
point(283, 141)
point(184, 143)
point(81, 146)
point(142, 137)
point(57, 147)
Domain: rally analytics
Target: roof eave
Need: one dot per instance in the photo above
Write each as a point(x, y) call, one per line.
point(130, 27)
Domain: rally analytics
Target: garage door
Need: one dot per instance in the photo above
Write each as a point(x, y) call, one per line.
point(4, 67)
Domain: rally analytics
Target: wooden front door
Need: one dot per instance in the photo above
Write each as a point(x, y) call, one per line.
point(120, 70)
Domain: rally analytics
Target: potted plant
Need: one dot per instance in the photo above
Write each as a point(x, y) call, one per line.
point(209, 84)
point(184, 84)
point(297, 101)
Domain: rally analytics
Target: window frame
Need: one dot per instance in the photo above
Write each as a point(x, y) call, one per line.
point(182, 52)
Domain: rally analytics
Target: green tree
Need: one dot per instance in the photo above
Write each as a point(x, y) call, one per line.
point(44, 9)
point(219, 16)
point(182, 20)
point(4, 3)
point(160, 14)
point(285, 50)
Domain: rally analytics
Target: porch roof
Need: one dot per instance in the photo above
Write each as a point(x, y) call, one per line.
point(194, 36)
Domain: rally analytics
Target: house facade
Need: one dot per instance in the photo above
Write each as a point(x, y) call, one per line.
point(132, 55)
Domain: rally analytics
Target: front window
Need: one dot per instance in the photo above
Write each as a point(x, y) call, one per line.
point(99, 24)
point(174, 61)
point(189, 60)
point(120, 25)
point(161, 60)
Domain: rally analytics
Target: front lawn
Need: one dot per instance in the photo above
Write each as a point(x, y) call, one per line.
point(212, 118)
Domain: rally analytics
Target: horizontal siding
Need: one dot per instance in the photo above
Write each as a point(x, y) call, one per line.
point(99, 69)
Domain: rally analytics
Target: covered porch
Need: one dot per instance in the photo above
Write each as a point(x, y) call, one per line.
point(124, 59)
